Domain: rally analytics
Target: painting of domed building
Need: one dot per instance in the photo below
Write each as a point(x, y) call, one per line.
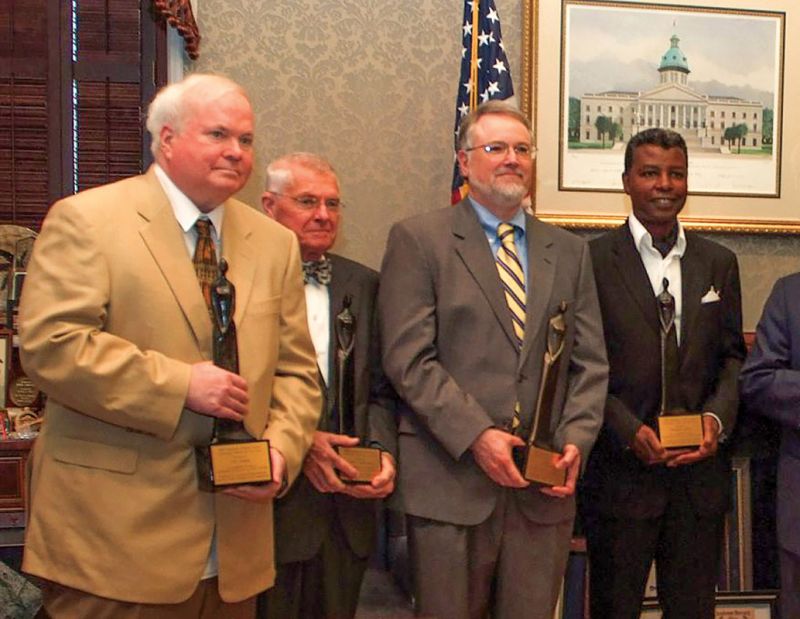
point(701, 118)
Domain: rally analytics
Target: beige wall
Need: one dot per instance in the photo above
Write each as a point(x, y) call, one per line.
point(371, 84)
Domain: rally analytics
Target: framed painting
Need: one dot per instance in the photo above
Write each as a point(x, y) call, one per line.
point(596, 72)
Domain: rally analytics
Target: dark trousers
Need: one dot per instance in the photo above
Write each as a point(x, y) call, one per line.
point(326, 586)
point(685, 546)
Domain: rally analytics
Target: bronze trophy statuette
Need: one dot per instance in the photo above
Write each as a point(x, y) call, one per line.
point(676, 429)
point(539, 462)
point(366, 460)
point(233, 458)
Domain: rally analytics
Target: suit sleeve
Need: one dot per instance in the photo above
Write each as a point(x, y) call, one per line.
point(296, 401)
point(382, 423)
point(770, 381)
point(582, 415)
point(64, 347)
point(408, 316)
point(724, 398)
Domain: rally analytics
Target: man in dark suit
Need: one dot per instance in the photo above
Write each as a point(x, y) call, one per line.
point(642, 501)
point(325, 528)
point(770, 386)
point(464, 312)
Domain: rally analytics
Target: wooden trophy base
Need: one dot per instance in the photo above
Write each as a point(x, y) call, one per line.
point(233, 463)
point(366, 461)
point(537, 465)
point(680, 431)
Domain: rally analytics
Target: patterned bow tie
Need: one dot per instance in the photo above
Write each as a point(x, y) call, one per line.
point(319, 270)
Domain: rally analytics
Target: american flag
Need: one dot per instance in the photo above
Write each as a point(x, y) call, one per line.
point(484, 70)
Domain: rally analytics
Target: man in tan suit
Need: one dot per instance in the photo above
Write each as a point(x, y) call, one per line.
point(115, 329)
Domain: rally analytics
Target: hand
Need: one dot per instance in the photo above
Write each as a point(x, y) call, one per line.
point(492, 451)
point(381, 486)
point(322, 462)
point(216, 392)
point(648, 448)
point(267, 492)
point(571, 460)
point(706, 449)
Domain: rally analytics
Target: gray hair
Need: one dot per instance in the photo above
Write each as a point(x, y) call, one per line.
point(279, 171)
point(495, 106)
point(168, 107)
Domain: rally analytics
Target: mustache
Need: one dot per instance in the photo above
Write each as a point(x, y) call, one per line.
point(507, 170)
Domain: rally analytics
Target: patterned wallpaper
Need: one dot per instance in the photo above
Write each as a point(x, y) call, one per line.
point(371, 85)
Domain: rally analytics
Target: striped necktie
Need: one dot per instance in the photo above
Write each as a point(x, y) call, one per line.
point(205, 259)
point(513, 278)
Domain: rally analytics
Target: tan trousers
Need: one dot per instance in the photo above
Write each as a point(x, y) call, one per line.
point(62, 602)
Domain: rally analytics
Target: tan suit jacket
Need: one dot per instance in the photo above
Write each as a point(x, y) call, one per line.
point(110, 320)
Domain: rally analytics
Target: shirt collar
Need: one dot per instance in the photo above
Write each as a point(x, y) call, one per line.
point(489, 221)
point(185, 210)
point(642, 239)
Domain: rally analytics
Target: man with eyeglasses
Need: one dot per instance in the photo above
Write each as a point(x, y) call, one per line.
point(325, 528)
point(466, 297)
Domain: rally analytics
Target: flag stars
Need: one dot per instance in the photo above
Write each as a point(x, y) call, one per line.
point(484, 38)
point(493, 88)
point(500, 66)
point(467, 29)
point(463, 109)
point(492, 16)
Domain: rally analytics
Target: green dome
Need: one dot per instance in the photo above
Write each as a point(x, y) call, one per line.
point(674, 59)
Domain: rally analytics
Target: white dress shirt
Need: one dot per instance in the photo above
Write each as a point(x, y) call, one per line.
point(319, 323)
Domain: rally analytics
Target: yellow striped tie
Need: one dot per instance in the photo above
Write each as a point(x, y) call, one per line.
point(513, 278)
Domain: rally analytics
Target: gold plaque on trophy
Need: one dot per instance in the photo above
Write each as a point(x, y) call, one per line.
point(234, 464)
point(680, 431)
point(540, 467)
point(366, 460)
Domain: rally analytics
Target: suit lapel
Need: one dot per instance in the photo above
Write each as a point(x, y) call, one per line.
point(634, 277)
point(695, 281)
point(237, 249)
point(541, 271)
point(164, 238)
point(473, 248)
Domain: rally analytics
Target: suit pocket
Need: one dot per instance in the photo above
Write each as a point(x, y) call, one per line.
point(95, 455)
point(271, 305)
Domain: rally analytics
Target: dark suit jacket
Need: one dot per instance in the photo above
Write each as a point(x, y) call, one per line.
point(710, 356)
point(448, 348)
point(770, 384)
point(304, 516)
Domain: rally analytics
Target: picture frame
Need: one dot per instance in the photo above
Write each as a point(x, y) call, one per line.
point(736, 570)
point(771, 210)
point(744, 605)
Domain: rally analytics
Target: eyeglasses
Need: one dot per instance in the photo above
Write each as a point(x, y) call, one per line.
point(311, 203)
point(500, 149)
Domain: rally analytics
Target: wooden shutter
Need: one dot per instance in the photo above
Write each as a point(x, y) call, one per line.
point(67, 122)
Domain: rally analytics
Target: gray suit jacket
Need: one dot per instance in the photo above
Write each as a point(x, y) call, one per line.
point(304, 517)
point(448, 349)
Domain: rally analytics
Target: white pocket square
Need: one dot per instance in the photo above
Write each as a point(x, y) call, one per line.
point(712, 296)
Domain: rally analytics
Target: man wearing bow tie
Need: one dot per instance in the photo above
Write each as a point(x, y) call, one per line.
point(639, 500)
point(324, 527)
